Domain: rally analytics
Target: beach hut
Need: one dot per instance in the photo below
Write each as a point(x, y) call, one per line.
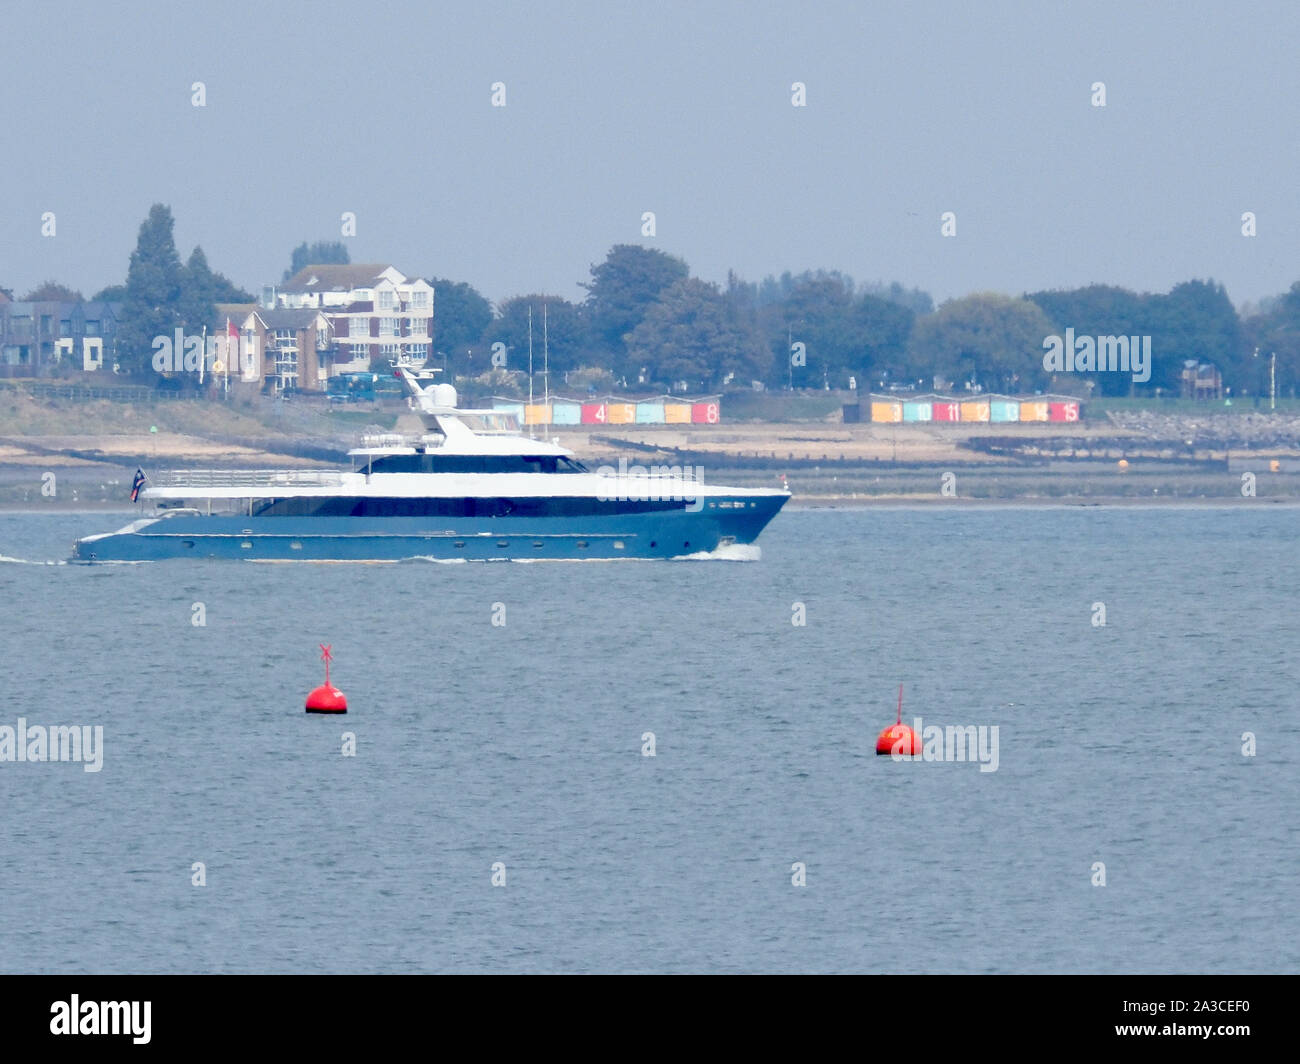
point(886, 409)
point(537, 414)
point(705, 413)
point(918, 410)
point(1062, 409)
point(566, 412)
point(509, 406)
point(946, 410)
point(975, 410)
point(620, 413)
point(677, 413)
point(1003, 409)
point(650, 411)
point(593, 413)
point(1033, 410)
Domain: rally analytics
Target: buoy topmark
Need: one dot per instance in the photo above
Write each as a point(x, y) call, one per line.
point(327, 698)
point(899, 738)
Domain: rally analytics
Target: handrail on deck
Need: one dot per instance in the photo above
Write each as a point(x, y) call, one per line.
point(245, 478)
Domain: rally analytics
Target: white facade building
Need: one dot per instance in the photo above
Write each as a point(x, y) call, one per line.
point(373, 311)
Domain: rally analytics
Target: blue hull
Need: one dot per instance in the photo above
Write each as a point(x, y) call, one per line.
point(666, 534)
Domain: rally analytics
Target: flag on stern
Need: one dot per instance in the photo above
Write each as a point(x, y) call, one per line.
point(137, 483)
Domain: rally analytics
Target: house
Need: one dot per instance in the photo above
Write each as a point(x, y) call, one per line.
point(372, 311)
point(37, 338)
point(1200, 380)
point(279, 349)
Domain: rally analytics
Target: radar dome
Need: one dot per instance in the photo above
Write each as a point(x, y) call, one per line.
point(444, 395)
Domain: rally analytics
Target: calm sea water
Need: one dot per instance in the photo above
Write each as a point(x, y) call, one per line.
point(522, 744)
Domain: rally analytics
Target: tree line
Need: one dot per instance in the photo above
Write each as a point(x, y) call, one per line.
point(645, 322)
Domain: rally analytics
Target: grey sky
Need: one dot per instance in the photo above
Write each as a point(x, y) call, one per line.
point(679, 108)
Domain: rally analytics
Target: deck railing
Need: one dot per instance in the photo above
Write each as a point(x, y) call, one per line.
point(245, 478)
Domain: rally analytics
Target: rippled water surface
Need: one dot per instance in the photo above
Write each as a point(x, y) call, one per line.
point(522, 744)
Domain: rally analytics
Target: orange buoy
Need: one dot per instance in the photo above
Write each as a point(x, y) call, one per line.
point(899, 738)
point(327, 698)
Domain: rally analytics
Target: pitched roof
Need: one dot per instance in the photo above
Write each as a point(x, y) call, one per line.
point(282, 318)
point(334, 277)
point(99, 308)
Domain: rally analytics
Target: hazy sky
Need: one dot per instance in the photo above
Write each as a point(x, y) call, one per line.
point(684, 109)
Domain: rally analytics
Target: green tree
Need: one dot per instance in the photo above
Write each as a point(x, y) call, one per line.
point(224, 290)
point(460, 315)
point(883, 330)
point(153, 292)
point(986, 338)
point(692, 333)
point(622, 289)
point(1197, 322)
point(843, 334)
point(52, 292)
point(1271, 340)
point(746, 309)
point(816, 311)
point(114, 293)
point(321, 253)
point(1194, 321)
point(914, 299)
point(565, 333)
point(1099, 310)
point(198, 293)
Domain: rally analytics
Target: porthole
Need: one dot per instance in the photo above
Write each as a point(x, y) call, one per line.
point(582, 543)
point(618, 544)
point(187, 543)
point(246, 545)
point(503, 543)
point(538, 545)
point(459, 544)
point(295, 545)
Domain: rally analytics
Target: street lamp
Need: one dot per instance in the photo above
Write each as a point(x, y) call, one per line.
point(1272, 378)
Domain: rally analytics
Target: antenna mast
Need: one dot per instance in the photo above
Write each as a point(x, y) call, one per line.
point(530, 370)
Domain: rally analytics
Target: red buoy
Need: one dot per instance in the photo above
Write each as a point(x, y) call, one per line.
point(327, 698)
point(899, 738)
